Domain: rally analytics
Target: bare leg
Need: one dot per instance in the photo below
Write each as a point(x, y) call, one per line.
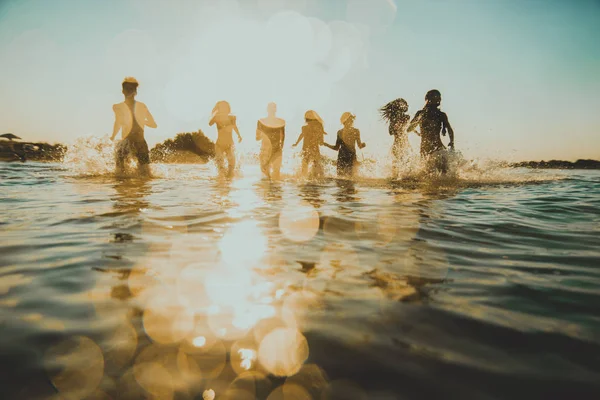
point(230, 161)
point(276, 164)
point(219, 159)
point(305, 161)
point(144, 170)
point(264, 157)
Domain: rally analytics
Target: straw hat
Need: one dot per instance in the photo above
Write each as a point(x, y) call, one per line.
point(345, 117)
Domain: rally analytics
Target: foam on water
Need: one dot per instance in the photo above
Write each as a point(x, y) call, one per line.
point(94, 156)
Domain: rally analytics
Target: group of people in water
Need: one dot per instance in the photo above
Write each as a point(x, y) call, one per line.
point(132, 116)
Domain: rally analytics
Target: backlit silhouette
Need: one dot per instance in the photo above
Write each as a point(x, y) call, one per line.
point(347, 139)
point(131, 117)
point(271, 130)
point(224, 148)
point(395, 114)
point(312, 134)
point(432, 121)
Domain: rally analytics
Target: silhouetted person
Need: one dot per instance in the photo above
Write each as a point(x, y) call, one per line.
point(131, 117)
point(312, 134)
point(226, 124)
point(432, 122)
point(347, 139)
point(271, 130)
point(395, 114)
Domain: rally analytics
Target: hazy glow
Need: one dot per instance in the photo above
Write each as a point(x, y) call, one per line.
point(76, 367)
point(283, 351)
point(506, 69)
point(299, 222)
point(199, 341)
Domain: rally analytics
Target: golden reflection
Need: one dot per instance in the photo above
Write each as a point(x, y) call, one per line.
point(289, 391)
point(340, 259)
point(283, 351)
point(243, 356)
point(243, 245)
point(75, 367)
point(7, 282)
point(312, 378)
point(208, 394)
point(249, 385)
point(344, 389)
point(166, 321)
point(154, 379)
point(299, 222)
point(120, 347)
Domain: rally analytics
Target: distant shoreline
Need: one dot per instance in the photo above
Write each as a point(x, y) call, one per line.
point(195, 148)
point(557, 164)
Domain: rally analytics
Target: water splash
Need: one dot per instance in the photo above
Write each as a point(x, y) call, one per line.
point(91, 156)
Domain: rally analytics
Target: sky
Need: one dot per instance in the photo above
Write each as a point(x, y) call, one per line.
point(519, 78)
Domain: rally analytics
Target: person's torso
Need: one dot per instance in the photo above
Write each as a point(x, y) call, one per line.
point(313, 136)
point(129, 117)
point(431, 126)
point(348, 140)
point(399, 125)
point(225, 129)
point(274, 131)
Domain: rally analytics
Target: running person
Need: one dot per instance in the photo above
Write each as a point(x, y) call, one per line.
point(131, 117)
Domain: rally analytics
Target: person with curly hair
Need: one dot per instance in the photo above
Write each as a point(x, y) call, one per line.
point(395, 114)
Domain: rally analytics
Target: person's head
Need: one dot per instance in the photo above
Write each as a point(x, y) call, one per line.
point(129, 86)
point(392, 110)
point(271, 109)
point(312, 116)
point(222, 107)
point(433, 98)
point(347, 119)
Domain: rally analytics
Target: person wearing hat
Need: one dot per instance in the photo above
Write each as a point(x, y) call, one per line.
point(312, 134)
point(432, 121)
point(347, 139)
point(131, 117)
point(395, 114)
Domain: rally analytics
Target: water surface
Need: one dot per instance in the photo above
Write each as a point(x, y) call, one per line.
point(481, 287)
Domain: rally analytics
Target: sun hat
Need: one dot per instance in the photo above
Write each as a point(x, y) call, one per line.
point(345, 117)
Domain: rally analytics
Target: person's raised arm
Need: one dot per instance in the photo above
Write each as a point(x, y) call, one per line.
point(117, 125)
point(149, 120)
point(235, 128)
point(415, 121)
point(450, 131)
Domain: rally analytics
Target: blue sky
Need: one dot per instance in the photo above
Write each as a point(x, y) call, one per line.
point(519, 78)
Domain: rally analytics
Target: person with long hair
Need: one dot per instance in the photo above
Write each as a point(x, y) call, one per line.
point(433, 122)
point(271, 131)
point(313, 135)
point(224, 147)
point(395, 114)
